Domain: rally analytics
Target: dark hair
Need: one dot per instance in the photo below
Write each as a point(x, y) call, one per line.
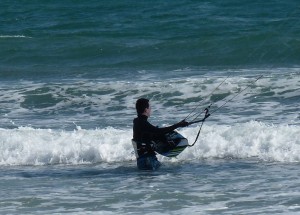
point(140, 105)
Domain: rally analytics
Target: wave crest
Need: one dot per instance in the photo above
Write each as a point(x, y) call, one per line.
point(28, 146)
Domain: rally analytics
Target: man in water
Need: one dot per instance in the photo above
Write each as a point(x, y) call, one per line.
point(143, 134)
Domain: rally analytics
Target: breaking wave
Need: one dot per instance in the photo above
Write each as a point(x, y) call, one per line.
point(29, 146)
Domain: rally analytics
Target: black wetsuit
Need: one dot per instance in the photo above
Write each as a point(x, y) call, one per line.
point(144, 132)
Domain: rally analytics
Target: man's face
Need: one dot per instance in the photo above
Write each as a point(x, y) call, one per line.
point(148, 111)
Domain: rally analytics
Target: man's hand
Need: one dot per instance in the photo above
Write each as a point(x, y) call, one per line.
point(182, 123)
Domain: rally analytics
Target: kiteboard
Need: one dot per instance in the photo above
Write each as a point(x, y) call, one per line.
point(168, 145)
point(171, 144)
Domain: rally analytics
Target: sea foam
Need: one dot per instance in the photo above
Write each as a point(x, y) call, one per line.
point(29, 146)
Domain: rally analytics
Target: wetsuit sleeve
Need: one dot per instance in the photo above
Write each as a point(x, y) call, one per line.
point(148, 128)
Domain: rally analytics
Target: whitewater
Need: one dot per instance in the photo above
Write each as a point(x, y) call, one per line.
point(29, 146)
point(65, 145)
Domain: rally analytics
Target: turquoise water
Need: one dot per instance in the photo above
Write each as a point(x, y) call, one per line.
point(108, 39)
point(70, 73)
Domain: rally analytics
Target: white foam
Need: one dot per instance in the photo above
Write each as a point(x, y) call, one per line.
point(28, 146)
point(14, 36)
point(271, 99)
point(247, 140)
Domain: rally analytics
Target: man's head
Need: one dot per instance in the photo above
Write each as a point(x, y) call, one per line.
point(143, 107)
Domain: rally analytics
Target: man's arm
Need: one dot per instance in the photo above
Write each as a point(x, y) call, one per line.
point(147, 127)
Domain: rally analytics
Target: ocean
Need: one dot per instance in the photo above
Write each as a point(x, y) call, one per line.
point(71, 71)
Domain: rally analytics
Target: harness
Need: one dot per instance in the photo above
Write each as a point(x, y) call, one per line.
point(142, 149)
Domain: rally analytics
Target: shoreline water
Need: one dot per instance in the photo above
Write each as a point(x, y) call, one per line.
point(203, 188)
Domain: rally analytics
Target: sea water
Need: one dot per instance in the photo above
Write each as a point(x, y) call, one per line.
point(70, 73)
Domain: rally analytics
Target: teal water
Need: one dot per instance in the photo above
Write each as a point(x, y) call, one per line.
point(70, 73)
point(104, 38)
point(212, 187)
